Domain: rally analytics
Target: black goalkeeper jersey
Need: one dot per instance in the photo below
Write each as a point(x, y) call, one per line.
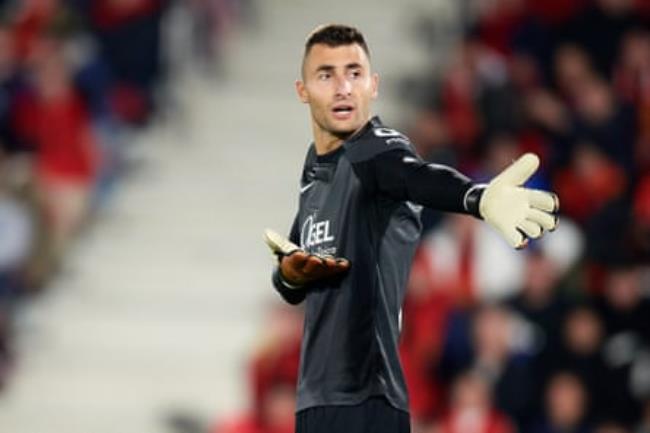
point(362, 202)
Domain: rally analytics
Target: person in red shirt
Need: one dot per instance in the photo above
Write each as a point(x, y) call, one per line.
point(52, 119)
point(472, 410)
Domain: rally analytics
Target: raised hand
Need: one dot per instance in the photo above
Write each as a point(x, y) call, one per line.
point(519, 213)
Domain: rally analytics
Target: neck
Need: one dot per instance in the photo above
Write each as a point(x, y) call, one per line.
point(326, 142)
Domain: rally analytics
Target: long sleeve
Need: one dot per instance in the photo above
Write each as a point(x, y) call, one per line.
point(402, 175)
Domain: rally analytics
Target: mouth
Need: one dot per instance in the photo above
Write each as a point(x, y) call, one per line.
point(342, 111)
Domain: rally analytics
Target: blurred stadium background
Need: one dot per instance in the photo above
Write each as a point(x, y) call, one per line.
point(145, 144)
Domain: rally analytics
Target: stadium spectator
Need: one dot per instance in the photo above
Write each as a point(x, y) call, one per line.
point(129, 35)
point(565, 406)
point(426, 308)
point(581, 354)
point(624, 312)
point(541, 308)
point(10, 83)
point(489, 345)
point(52, 118)
point(600, 28)
point(632, 85)
point(273, 376)
point(16, 236)
point(463, 255)
point(276, 358)
point(472, 410)
point(590, 183)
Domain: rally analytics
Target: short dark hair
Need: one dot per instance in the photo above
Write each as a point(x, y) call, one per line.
point(335, 35)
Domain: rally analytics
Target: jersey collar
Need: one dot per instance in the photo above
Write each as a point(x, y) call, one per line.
point(333, 156)
point(374, 122)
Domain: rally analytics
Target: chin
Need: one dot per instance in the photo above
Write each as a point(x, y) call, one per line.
point(343, 131)
point(342, 134)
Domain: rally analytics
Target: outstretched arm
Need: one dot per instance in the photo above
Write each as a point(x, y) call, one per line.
point(402, 175)
point(516, 212)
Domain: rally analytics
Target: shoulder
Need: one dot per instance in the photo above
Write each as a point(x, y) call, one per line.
point(375, 139)
point(310, 158)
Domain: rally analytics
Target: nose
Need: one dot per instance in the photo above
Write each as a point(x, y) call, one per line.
point(343, 87)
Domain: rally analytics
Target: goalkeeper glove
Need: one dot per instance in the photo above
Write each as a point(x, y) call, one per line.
point(518, 213)
point(297, 267)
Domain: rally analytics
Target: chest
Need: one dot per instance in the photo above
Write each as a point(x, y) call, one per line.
point(330, 201)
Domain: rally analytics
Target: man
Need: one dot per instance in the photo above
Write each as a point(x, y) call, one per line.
point(357, 227)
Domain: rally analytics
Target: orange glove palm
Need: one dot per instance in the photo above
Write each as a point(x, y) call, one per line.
point(298, 267)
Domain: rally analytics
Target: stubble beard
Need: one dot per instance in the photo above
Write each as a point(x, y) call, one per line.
point(337, 133)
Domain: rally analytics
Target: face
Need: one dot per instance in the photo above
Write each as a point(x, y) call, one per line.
point(623, 289)
point(471, 392)
point(583, 332)
point(339, 88)
point(541, 275)
point(565, 400)
point(492, 334)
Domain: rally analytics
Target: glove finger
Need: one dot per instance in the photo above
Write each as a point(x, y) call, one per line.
point(296, 259)
point(332, 266)
point(313, 266)
point(547, 221)
point(519, 171)
point(342, 263)
point(278, 243)
point(543, 200)
point(513, 236)
point(530, 229)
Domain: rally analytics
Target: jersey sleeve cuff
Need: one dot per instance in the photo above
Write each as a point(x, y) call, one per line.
point(291, 293)
point(472, 199)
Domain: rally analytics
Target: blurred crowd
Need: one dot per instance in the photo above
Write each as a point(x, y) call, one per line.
point(554, 339)
point(78, 80)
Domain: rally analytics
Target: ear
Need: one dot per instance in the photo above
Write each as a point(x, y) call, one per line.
point(375, 85)
point(302, 91)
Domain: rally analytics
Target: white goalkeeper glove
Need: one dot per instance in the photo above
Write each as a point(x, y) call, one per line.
point(518, 213)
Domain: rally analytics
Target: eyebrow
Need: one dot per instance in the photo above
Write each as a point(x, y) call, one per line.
point(330, 68)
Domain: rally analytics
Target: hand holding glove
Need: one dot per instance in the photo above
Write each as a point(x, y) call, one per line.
point(519, 213)
point(297, 267)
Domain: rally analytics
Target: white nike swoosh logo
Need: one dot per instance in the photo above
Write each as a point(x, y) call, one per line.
point(306, 187)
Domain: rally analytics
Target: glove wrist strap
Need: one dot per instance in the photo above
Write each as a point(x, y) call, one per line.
point(472, 199)
point(279, 280)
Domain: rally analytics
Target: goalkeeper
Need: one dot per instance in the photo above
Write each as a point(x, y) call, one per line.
point(350, 248)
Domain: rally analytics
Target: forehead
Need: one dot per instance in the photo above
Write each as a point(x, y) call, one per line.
point(321, 54)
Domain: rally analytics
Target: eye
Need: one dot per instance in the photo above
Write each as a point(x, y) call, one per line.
point(356, 73)
point(324, 76)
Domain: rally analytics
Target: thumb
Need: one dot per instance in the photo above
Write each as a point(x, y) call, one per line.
point(519, 171)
